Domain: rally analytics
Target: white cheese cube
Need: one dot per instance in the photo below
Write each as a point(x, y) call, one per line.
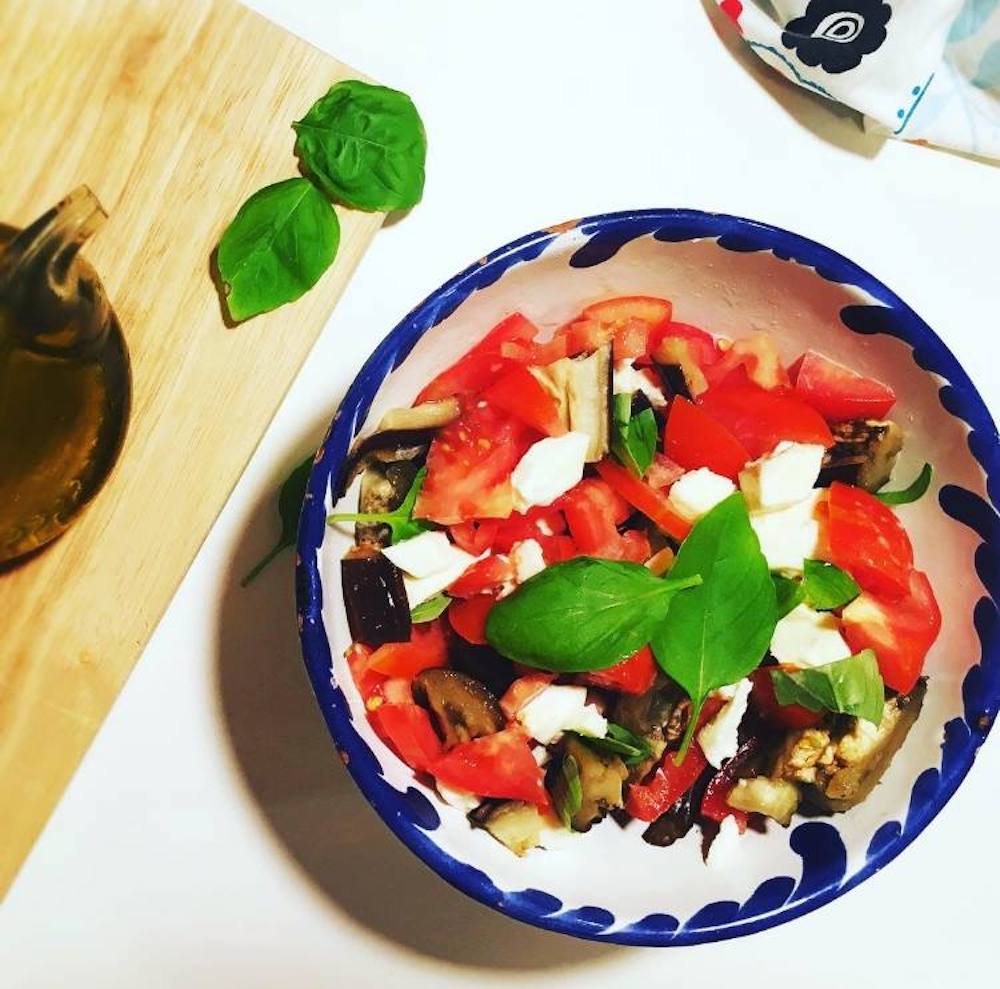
point(556, 709)
point(423, 555)
point(626, 380)
point(723, 849)
point(718, 739)
point(527, 559)
point(783, 477)
point(461, 799)
point(420, 589)
point(788, 536)
point(808, 638)
point(549, 468)
point(697, 492)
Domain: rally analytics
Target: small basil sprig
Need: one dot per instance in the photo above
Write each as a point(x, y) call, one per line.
point(364, 146)
point(826, 587)
point(290, 497)
point(788, 594)
point(430, 609)
point(400, 520)
point(583, 614)
point(279, 244)
point(620, 741)
point(916, 490)
point(633, 438)
point(717, 633)
point(567, 790)
point(848, 686)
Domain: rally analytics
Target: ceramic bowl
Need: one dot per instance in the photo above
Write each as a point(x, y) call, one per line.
point(731, 276)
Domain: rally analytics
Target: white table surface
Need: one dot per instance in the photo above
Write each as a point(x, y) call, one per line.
point(211, 837)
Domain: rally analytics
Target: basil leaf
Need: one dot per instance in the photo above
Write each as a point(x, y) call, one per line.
point(633, 439)
point(620, 741)
point(788, 594)
point(400, 520)
point(430, 609)
point(364, 146)
point(826, 587)
point(290, 498)
point(580, 615)
point(277, 246)
point(567, 793)
point(848, 686)
point(916, 490)
point(717, 633)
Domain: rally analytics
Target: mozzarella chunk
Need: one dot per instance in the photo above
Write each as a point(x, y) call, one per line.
point(718, 739)
point(723, 848)
point(426, 554)
point(697, 492)
point(420, 589)
point(549, 468)
point(626, 380)
point(808, 638)
point(527, 559)
point(788, 535)
point(461, 799)
point(556, 709)
point(786, 475)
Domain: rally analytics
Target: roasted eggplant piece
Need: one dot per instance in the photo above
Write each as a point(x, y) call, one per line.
point(673, 380)
point(462, 708)
point(513, 823)
point(374, 598)
point(484, 664)
point(864, 452)
point(674, 351)
point(838, 768)
point(601, 774)
point(383, 488)
point(650, 716)
point(774, 798)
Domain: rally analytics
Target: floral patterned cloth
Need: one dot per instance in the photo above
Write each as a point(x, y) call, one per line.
point(919, 70)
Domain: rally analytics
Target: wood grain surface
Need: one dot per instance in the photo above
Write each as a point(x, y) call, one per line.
point(173, 112)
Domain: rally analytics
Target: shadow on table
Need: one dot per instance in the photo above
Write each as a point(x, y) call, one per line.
point(290, 768)
point(833, 122)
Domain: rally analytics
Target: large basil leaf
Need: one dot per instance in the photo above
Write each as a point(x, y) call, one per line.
point(848, 686)
point(277, 246)
point(365, 146)
point(718, 632)
point(583, 614)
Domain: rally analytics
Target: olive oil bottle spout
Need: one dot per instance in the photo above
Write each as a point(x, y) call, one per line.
point(45, 290)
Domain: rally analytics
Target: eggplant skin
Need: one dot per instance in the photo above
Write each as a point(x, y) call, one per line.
point(375, 599)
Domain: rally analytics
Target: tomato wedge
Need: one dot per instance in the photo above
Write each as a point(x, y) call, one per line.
point(694, 439)
point(864, 537)
point(593, 512)
point(838, 393)
point(765, 703)
point(498, 765)
point(901, 631)
point(700, 345)
point(760, 419)
point(468, 617)
point(640, 495)
point(427, 647)
point(408, 731)
point(647, 801)
point(520, 394)
point(755, 359)
point(618, 311)
point(481, 365)
point(535, 523)
point(475, 536)
point(485, 576)
point(634, 675)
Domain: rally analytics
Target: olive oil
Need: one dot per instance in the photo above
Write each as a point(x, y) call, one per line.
point(65, 385)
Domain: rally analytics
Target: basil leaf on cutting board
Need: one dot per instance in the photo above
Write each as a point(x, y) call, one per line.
point(848, 686)
point(583, 614)
point(400, 520)
point(825, 586)
point(430, 609)
point(718, 632)
point(278, 245)
point(290, 497)
point(364, 146)
point(633, 438)
point(788, 594)
point(910, 494)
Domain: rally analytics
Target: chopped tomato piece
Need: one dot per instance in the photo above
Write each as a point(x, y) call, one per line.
point(617, 312)
point(647, 801)
point(556, 549)
point(498, 765)
point(469, 465)
point(519, 393)
point(864, 537)
point(631, 340)
point(535, 523)
point(760, 419)
point(468, 617)
point(475, 536)
point(593, 512)
point(701, 346)
point(426, 648)
point(481, 365)
point(486, 576)
point(714, 804)
point(694, 439)
point(838, 393)
point(901, 631)
point(408, 731)
point(757, 357)
point(584, 336)
point(634, 675)
point(522, 690)
point(765, 703)
point(662, 472)
point(365, 679)
point(640, 495)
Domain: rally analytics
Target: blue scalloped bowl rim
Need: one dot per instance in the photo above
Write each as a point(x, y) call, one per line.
point(824, 877)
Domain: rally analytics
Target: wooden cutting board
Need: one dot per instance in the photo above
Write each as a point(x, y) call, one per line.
point(173, 112)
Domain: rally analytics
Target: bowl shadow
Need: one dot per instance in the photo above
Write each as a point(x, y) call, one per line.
point(290, 768)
